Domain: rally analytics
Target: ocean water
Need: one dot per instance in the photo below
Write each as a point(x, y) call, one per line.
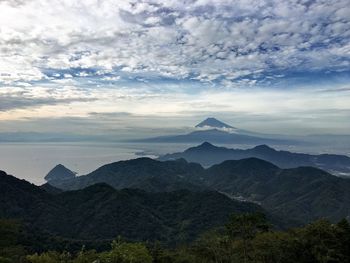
point(32, 161)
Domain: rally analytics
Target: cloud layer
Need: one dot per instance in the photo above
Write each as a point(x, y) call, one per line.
point(288, 61)
point(239, 42)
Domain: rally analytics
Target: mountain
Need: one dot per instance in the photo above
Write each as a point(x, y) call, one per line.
point(215, 131)
point(302, 194)
point(216, 136)
point(100, 212)
point(20, 199)
point(143, 173)
point(207, 154)
point(50, 189)
point(59, 172)
point(213, 123)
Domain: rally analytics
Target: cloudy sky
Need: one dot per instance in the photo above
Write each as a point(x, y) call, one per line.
point(99, 66)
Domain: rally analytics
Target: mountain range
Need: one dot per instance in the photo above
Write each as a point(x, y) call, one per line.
point(298, 195)
point(179, 196)
point(207, 155)
point(99, 212)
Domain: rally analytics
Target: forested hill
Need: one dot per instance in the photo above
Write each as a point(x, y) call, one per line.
point(303, 194)
point(300, 194)
point(143, 173)
point(100, 212)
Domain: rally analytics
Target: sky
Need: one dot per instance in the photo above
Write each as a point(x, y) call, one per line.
point(121, 67)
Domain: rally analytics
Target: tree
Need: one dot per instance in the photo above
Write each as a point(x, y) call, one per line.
point(343, 236)
point(242, 228)
point(10, 250)
point(50, 257)
point(319, 240)
point(84, 256)
point(274, 247)
point(123, 252)
point(213, 247)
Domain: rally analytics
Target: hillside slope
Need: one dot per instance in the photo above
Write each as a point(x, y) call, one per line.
point(142, 173)
point(100, 212)
point(302, 194)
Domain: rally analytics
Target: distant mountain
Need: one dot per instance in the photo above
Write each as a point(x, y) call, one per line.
point(215, 131)
point(59, 172)
point(302, 194)
point(207, 154)
point(142, 173)
point(217, 136)
point(213, 123)
point(100, 212)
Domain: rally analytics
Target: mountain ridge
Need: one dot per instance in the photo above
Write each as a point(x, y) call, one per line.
point(208, 154)
point(144, 173)
point(100, 212)
point(307, 193)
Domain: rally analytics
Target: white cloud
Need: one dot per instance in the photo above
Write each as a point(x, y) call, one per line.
point(67, 57)
point(206, 39)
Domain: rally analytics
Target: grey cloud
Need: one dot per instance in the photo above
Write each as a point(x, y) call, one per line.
point(345, 89)
point(9, 102)
point(110, 114)
point(14, 3)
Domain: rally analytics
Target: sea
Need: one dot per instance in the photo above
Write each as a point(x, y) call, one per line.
point(32, 161)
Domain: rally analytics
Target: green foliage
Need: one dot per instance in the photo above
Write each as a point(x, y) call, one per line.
point(134, 214)
point(247, 225)
point(5, 260)
point(84, 256)
point(343, 236)
point(213, 247)
point(10, 250)
point(243, 228)
point(321, 241)
point(50, 257)
point(123, 252)
point(245, 238)
point(64, 257)
point(9, 230)
point(275, 247)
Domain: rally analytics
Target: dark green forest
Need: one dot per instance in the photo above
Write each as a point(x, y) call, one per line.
point(244, 238)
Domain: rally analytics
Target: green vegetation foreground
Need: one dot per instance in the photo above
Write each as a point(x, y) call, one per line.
point(245, 238)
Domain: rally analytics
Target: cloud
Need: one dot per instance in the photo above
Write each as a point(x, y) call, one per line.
point(281, 60)
point(17, 98)
point(207, 41)
point(9, 103)
point(119, 109)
